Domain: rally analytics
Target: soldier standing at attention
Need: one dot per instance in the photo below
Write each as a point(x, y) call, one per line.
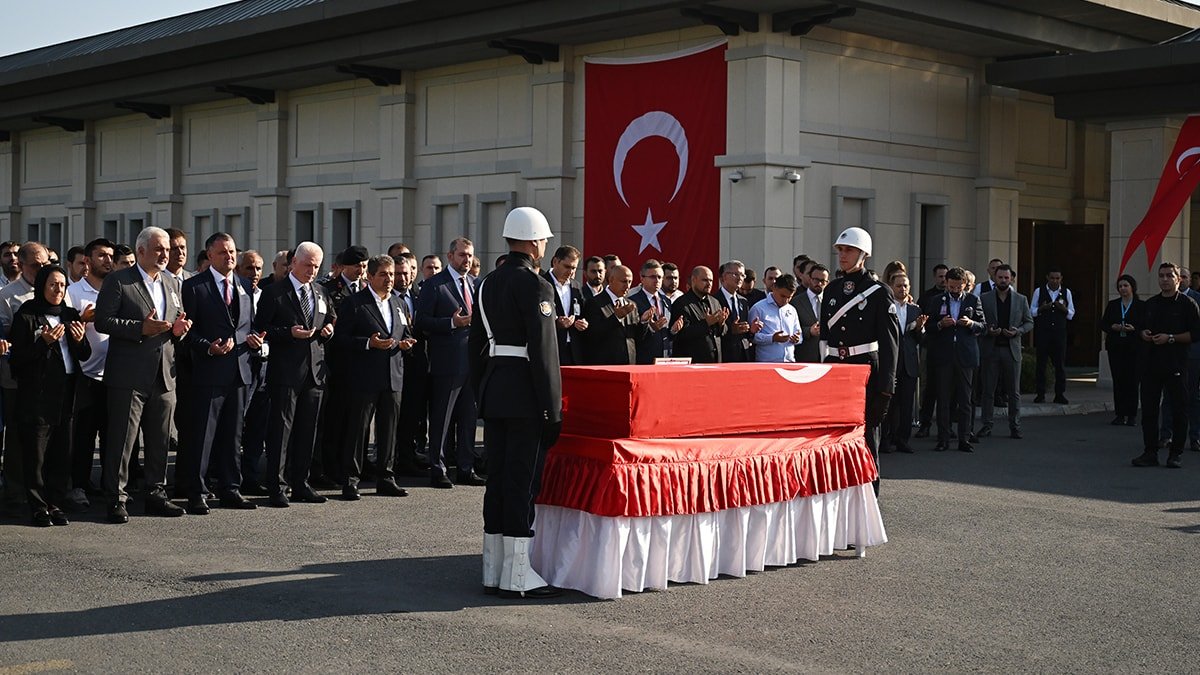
point(514, 364)
point(859, 325)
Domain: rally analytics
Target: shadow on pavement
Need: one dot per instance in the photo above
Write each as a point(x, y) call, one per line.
point(363, 587)
point(1078, 456)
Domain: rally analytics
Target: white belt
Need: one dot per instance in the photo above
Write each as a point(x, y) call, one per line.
point(844, 352)
point(510, 350)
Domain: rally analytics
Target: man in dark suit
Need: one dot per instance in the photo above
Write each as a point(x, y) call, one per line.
point(326, 469)
point(808, 309)
point(372, 330)
point(736, 345)
point(614, 326)
point(649, 296)
point(221, 342)
point(929, 393)
point(1007, 315)
point(258, 399)
point(515, 369)
point(298, 319)
point(445, 309)
point(898, 423)
point(412, 427)
point(956, 320)
point(568, 304)
point(593, 277)
point(140, 310)
point(699, 321)
point(752, 295)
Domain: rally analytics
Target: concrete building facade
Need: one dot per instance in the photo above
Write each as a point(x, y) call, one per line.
point(378, 121)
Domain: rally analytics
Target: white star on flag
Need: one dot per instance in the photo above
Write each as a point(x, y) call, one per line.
point(649, 232)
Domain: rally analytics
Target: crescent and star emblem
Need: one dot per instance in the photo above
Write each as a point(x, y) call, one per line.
point(1190, 152)
point(654, 123)
point(805, 375)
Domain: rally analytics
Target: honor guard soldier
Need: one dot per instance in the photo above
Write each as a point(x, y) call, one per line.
point(859, 325)
point(514, 363)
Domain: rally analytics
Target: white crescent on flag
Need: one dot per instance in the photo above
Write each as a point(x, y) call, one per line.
point(1190, 152)
point(805, 375)
point(654, 123)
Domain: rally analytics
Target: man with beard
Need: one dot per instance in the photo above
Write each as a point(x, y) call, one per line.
point(91, 407)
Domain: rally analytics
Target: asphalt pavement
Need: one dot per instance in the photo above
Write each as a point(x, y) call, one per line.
point(1042, 555)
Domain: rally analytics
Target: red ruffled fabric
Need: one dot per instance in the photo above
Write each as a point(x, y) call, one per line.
point(677, 476)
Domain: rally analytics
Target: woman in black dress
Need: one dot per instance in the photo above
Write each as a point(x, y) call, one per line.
point(1122, 319)
point(48, 345)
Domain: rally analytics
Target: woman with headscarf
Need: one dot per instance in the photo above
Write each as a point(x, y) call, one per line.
point(1123, 319)
point(48, 345)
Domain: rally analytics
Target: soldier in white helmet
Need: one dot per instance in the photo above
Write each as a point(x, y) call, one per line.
point(514, 364)
point(859, 325)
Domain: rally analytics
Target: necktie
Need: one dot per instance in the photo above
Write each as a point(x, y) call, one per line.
point(306, 306)
point(228, 294)
point(466, 293)
point(407, 309)
point(353, 286)
point(657, 312)
point(733, 307)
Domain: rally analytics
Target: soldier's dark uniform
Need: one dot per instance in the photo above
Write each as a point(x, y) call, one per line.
point(520, 400)
point(872, 320)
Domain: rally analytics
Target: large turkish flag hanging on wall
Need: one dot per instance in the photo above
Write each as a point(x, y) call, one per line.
point(653, 127)
point(1179, 180)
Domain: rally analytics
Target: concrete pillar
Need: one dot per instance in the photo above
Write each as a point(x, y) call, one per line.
point(396, 188)
point(761, 212)
point(997, 190)
point(1139, 151)
point(550, 180)
point(80, 225)
point(268, 231)
point(10, 187)
point(167, 203)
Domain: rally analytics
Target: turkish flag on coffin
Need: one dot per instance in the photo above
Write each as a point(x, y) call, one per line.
point(653, 127)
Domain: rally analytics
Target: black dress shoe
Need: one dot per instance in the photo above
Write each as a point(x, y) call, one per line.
point(941, 447)
point(237, 501)
point(470, 478)
point(972, 437)
point(164, 508)
point(1117, 421)
point(905, 448)
point(440, 482)
point(390, 489)
point(350, 494)
point(984, 432)
point(59, 518)
point(255, 489)
point(41, 518)
point(1061, 400)
point(305, 494)
point(885, 450)
point(966, 446)
point(539, 593)
point(1016, 433)
point(279, 500)
point(1130, 422)
point(198, 506)
point(1147, 458)
point(1040, 398)
point(922, 432)
point(117, 514)
point(1174, 460)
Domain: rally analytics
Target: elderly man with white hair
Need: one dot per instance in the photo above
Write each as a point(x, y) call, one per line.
point(139, 308)
point(297, 317)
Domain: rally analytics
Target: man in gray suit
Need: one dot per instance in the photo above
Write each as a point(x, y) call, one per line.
point(140, 309)
point(1007, 315)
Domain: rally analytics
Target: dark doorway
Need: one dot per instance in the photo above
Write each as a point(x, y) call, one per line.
point(1077, 250)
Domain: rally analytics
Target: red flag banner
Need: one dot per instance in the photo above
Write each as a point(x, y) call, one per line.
point(1179, 179)
point(652, 128)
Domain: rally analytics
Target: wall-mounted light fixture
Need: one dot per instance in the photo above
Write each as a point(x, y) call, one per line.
point(791, 175)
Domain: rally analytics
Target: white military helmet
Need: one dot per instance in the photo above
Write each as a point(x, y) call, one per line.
point(856, 237)
point(526, 223)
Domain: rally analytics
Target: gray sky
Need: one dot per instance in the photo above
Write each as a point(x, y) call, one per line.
point(29, 24)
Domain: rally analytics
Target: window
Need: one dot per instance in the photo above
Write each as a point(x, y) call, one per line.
point(237, 224)
point(306, 227)
point(341, 225)
point(111, 228)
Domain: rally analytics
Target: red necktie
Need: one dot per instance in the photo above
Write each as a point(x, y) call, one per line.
point(466, 295)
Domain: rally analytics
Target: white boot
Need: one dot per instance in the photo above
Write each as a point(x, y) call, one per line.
point(517, 577)
point(493, 561)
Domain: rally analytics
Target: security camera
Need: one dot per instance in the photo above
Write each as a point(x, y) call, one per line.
point(736, 176)
point(791, 176)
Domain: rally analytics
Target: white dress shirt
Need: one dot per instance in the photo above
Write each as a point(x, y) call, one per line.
point(158, 292)
point(81, 295)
